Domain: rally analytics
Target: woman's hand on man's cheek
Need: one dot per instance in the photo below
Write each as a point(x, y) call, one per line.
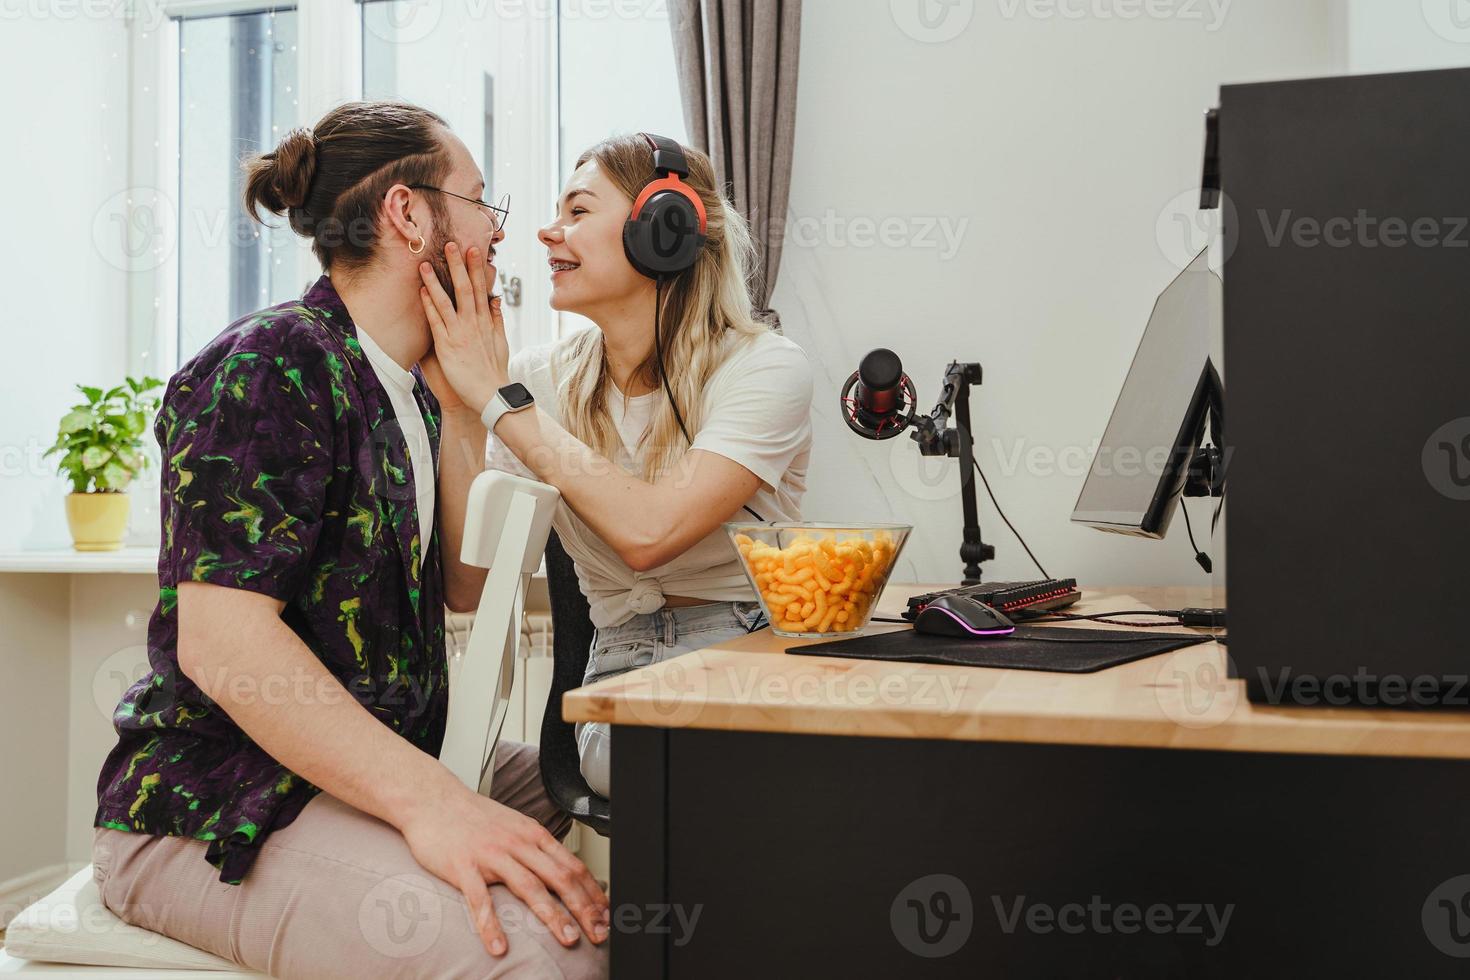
point(469, 332)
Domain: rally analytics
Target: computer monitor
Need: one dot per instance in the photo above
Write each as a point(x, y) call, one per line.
point(1143, 459)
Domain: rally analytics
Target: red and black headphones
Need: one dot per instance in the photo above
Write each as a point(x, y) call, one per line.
point(665, 231)
point(662, 237)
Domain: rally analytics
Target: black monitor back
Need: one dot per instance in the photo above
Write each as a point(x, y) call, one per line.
point(1347, 376)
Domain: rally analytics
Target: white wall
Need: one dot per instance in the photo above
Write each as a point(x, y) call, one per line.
point(34, 753)
point(606, 93)
point(1401, 35)
point(64, 318)
point(1056, 151)
point(63, 321)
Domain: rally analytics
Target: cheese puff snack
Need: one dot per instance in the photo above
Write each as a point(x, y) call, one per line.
point(818, 584)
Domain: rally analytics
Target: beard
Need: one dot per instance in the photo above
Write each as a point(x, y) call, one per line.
point(440, 264)
point(434, 251)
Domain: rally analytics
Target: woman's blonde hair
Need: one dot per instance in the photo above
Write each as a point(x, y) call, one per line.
point(706, 312)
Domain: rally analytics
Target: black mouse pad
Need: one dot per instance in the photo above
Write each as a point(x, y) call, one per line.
point(1049, 648)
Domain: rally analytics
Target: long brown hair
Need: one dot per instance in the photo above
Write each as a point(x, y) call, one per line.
point(330, 180)
point(706, 312)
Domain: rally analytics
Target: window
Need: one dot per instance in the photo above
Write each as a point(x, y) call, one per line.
point(527, 86)
point(237, 97)
point(487, 69)
point(604, 91)
point(437, 70)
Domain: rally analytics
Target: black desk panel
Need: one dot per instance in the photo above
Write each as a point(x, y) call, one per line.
point(765, 855)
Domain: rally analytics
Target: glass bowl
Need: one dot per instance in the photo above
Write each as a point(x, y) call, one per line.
point(814, 580)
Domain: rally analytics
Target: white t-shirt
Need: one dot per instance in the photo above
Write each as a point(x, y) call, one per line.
point(757, 412)
point(399, 385)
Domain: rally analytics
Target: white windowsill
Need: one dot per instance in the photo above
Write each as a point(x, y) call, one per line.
point(66, 561)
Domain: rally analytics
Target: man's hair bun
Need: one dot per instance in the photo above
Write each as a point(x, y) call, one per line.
point(280, 180)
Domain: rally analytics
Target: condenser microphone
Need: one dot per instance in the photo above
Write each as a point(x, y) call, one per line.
point(878, 401)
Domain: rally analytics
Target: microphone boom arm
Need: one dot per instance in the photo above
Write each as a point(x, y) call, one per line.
point(935, 438)
point(879, 401)
point(931, 432)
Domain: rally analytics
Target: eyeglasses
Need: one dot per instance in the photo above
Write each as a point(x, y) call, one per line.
point(498, 212)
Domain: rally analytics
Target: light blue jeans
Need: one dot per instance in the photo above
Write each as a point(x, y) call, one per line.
point(649, 639)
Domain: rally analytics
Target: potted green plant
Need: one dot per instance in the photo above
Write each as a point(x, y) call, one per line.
point(101, 448)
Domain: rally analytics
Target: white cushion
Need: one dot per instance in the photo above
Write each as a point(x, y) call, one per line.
point(10, 965)
point(71, 925)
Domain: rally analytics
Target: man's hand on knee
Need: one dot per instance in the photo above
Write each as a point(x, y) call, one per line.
point(472, 842)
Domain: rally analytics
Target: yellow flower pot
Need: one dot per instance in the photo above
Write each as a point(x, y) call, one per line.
point(98, 521)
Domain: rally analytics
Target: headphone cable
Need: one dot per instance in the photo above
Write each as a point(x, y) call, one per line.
point(658, 349)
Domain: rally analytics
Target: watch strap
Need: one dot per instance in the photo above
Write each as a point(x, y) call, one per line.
point(496, 407)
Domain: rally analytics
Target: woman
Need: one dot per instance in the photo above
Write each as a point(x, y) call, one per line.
point(655, 431)
point(275, 795)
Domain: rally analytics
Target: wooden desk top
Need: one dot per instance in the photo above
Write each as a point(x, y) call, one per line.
point(1182, 700)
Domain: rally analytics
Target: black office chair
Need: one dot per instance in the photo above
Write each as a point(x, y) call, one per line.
point(571, 638)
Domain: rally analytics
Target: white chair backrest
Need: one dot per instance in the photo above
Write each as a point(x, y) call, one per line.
point(506, 526)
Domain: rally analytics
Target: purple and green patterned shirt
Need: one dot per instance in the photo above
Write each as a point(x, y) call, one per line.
point(285, 473)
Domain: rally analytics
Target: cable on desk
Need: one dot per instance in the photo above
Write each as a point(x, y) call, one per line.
point(1055, 639)
point(1095, 617)
point(1193, 618)
point(1171, 614)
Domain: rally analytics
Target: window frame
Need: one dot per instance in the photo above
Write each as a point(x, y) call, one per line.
point(329, 59)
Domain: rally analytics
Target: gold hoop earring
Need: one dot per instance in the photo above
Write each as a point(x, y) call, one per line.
point(416, 251)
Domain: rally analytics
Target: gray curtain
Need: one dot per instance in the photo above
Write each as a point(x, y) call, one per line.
point(737, 63)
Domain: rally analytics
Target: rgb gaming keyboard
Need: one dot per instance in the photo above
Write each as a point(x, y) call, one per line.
point(1015, 599)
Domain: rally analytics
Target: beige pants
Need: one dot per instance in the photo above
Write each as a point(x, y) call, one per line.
point(338, 894)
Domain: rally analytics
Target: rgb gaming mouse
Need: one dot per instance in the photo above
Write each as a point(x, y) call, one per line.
point(956, 615)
